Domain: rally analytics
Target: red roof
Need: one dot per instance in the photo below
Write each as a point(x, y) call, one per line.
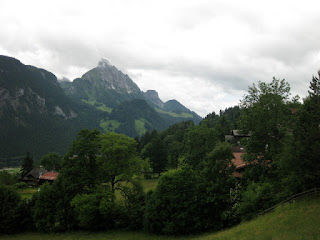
point(237, 160)
point(49, 176)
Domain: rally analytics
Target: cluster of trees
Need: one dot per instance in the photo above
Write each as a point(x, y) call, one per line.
point(98, 187)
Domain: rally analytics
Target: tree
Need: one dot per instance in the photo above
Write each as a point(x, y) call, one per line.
point(199, 142)
point(51, 161)
point(156, 152)
point(264, 115)
point(9, 201)
point(79, 168)
point(27, 165)
point(174, 207)
point(45, 208)
point(118, 160)
point(309, 135)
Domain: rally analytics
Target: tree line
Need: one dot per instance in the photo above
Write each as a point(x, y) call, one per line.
point(99, 184)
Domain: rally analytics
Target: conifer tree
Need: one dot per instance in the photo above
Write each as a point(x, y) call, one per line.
point(27, 165)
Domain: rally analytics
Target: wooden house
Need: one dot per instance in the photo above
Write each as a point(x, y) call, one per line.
point(32, 178)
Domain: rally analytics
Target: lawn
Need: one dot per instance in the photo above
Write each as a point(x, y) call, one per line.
point(12, 170)
point(299, 220)
point(27, 192)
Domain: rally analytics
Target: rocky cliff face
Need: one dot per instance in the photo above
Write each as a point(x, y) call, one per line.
point(152, 97)
point(104, 84)
point(26, 89)
point(109, 77)
point(35, 113)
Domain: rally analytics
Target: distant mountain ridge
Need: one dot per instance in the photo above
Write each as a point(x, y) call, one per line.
point(106, 89)
point(40, 114)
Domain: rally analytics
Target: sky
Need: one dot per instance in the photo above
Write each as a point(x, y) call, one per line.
point(203, 53)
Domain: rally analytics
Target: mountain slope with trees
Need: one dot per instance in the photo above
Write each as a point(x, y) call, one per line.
point(40, 115)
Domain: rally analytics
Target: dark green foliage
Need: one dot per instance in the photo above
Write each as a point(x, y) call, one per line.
point(173, 208)
point(256, 198)
point(156, 152)
point(264, 116)
point(44, 215)
point(134, 205)
point(27, 165)
point(8, 179)
point(308, 135)
point(118, 159)
point(79, 168)
point(127, 112)
point(9, 211)
point(93, 211)
point(51, 161)
point(187, 201)
point(199, 141)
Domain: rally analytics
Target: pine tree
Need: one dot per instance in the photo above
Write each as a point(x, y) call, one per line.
point(309, 135)
point(27, 165)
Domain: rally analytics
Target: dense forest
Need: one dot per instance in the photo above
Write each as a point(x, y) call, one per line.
point(99, 183)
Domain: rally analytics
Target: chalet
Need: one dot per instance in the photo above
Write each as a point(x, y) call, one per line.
point(32, 178)
point(39, 176)
point(235, 136)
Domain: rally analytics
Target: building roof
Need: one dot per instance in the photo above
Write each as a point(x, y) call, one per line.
point(35, 173)
point(49, 176)
point(237, 133)
point(238, 161)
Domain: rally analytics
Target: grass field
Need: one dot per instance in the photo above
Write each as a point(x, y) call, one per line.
point(12, 170)
point(28, 192)
point(299, 220)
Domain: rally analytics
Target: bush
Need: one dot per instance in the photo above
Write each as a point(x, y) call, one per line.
point(9, 202)
point(45, 208)
point(8, 179)
point(175, 207)
point(21, 185)
point(257, 197)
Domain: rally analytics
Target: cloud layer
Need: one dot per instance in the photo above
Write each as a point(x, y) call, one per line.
point(203, 53)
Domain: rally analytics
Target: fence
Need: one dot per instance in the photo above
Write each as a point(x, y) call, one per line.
point(313, 191)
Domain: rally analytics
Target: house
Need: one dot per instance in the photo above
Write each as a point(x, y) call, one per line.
point(235, 136)
point(32, 178)
point(48, 177)
point(38, 176)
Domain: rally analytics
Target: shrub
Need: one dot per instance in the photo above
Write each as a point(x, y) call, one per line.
point(257, 197)
point(9, 202)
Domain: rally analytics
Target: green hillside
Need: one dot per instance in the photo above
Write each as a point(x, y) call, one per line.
point(298, 220)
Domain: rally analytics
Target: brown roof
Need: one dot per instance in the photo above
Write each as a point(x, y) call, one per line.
point(237, 160)
point(35, 173)
point(49, 176)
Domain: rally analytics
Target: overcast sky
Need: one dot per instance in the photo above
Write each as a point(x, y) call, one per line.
point(204, 54)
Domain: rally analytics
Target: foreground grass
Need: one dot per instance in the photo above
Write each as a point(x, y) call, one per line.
point(299, 220)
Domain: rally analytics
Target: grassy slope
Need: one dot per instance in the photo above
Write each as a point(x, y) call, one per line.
point(181, 115)
point(299, 220)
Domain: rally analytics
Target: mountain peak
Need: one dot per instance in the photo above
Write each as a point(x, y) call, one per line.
point(104, 63)
point(153, 98)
